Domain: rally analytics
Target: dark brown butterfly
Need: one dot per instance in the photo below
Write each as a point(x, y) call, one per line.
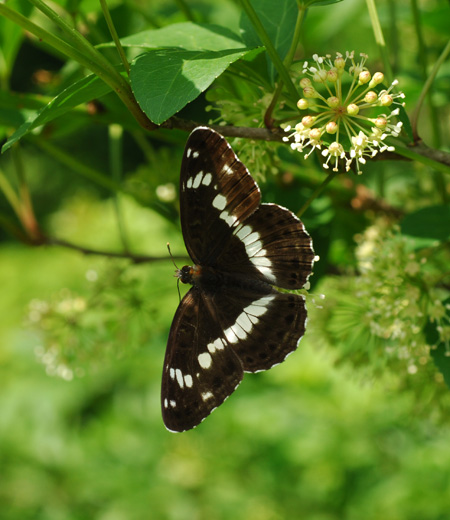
point(232, 320)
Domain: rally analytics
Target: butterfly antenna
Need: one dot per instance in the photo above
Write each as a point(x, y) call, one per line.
point(171, 256)
point(177, 274)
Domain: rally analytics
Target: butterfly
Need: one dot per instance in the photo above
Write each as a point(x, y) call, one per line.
point(232, 320)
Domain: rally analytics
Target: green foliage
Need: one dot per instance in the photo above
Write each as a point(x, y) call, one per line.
point(356, 423)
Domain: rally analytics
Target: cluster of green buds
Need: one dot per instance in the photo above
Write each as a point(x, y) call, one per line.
point(347, 124)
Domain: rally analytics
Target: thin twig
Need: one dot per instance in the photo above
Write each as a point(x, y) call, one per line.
point(136, 259)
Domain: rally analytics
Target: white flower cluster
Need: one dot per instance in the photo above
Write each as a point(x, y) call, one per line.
point(342, 122)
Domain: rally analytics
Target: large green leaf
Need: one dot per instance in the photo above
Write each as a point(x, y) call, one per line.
point(278, 19)
point(166, 80)
point(432, 222)
point(82, 91)
point(187, 35)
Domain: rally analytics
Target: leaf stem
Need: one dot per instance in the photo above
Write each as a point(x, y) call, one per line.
point(271, 51)
point(379, 38)
point(114, 35)
point(287, 63)
point(317, 192)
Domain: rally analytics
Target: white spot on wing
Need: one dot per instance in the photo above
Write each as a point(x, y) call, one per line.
point(207, 395)
point(207, 179)
point(217, 344)
point(219, 201)
point(172, 373)
point(172, 403)
point(229, 219)
point(195, 154)
point(166, 403)
point(179, 377)
point(205, 360)
point(259, 307)
point(244, 322)
point(197, 180)
point(188, 152)
point(188, 381)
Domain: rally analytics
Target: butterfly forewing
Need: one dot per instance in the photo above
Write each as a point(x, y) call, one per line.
point(233, 319)
point(216, 193)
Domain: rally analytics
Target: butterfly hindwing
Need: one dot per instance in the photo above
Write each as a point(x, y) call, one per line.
point(261, 326)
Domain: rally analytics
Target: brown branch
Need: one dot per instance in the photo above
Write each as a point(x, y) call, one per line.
point(136, 259)
point(277, 134)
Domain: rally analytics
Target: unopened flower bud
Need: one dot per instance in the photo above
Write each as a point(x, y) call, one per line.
point(380, 122)
point(305, 82)
point(332, 75)
point(377, 78)
point(371, 97)
point(331, 127)
point(352, 109)
point(339, 63)
point(333, 102)
point(315, 133)
point(308, 121)
point(364, 77)
point(302, 104)
point(309, 92)
point(386, 100)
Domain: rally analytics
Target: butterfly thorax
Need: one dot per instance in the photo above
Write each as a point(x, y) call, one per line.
point(211, 280)
point(197, 275)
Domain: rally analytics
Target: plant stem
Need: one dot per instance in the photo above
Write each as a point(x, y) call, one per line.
point(83, 53)
point(114, 35)
point(271, 51)
point(317, 192)
point(379, 38)
point(427, 87)
point(287, 63)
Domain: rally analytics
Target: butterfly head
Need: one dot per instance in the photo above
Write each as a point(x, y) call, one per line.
point(188, 274)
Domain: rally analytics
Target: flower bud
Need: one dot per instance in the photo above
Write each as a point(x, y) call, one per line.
point(386, 100)
point(331, 127)
point(377, 78)
point(339, 63)
point(309, 92)
point(302, 104)
point(380, 122)
point(364, 77)
point(305, 82)
point(315, 133)
point(332, 75)
point(333, 102)
point(352, 109)
point(371, 97)
point(308, 121)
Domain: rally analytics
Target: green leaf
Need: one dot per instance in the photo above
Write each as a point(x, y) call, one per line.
point(82, 91)
point(432, 222)
point(278, 19)
point(166, 80)
point(11, 36)
point(187, 35)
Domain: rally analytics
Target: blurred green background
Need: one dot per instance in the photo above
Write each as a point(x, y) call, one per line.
point(355, 425)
